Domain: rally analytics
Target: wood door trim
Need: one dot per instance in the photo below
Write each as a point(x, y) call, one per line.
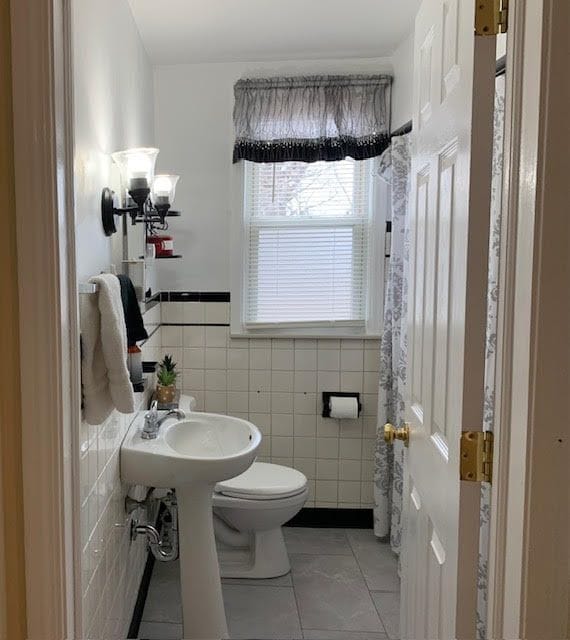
point(12, 573)
point(48, 328)
point(528, 570)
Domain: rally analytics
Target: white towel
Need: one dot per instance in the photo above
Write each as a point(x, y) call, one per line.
point(105, 376)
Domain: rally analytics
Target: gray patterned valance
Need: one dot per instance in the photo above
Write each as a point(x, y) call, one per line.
point(311, 118)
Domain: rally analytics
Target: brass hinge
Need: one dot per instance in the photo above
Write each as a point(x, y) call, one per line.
point(491, 17)
point(476, 456)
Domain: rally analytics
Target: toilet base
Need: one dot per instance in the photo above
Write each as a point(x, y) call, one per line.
point(265, 557)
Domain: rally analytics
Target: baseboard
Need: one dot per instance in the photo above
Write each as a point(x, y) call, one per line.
point(333, 518)
point(141, 597)
point(144, 585)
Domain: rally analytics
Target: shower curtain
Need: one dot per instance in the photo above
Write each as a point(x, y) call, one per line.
point(389, 461)
point(491, 343)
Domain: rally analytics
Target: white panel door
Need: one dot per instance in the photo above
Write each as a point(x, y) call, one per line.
point(449, 217)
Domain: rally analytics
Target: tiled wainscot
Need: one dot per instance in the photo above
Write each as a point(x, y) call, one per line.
point(278, 384)
point(111, 565)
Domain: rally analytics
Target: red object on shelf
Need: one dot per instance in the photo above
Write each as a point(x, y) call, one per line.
point(164, 245)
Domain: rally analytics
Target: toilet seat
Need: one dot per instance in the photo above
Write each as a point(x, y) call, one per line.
point(264, 481)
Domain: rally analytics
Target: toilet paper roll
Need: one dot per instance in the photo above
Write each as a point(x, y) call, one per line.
point(344, 408)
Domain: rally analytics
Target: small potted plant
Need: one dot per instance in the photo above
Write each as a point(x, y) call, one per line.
point(166, 376)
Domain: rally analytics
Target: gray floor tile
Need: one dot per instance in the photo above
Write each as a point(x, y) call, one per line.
point(160, 631)
point(332, 595)
point(163, 603)
point(316, 541)
point(377, 561)
point(281, 581)
point(269, 613)
point(319, 634)
point(388, 606)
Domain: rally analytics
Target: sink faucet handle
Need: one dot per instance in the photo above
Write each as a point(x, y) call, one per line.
point(151, 421)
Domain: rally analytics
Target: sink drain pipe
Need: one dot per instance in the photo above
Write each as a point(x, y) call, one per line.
point(164, 544)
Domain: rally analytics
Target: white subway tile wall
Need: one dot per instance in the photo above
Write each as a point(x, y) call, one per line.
point(111, 565)
point(277, 384)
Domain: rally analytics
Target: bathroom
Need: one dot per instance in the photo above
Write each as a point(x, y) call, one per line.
point(281, 321)
point(294, 351)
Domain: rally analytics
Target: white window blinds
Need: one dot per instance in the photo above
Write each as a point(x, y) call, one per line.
point(307, 235)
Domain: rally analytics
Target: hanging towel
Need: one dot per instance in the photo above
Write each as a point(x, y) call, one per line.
point(133, 317)
point(106, 382)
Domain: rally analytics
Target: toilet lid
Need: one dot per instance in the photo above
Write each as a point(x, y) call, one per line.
point(264, 481)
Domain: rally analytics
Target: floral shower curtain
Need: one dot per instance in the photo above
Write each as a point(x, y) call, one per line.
point(389, 461)
point(491, 342)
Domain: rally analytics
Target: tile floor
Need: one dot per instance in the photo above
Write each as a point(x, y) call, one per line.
point(343, 586)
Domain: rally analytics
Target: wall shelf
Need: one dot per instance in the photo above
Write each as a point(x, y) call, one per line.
point(174, 257)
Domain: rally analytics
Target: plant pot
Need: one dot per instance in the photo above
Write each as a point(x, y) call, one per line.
point(165, 395)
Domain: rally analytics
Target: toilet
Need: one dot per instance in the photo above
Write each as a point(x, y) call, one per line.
point(249, 511)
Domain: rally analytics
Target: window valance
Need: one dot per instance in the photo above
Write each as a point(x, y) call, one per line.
point(311, 118)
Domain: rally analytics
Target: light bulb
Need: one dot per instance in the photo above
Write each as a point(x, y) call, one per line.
point(163, 189)
point(137, 167)
point(162, 186)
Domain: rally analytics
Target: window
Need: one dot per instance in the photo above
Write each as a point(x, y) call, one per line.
point(308, 246)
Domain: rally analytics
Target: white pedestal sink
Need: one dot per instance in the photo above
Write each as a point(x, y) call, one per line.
point(191, 456)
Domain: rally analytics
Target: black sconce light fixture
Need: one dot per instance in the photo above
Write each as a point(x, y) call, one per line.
point(145, 197)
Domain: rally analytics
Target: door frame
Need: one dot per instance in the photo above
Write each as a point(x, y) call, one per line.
point(12, 578)
point(43, 128)
point(528, 563)
point(49, 346)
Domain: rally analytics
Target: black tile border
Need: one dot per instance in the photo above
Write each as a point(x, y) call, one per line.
point(144, 586)
point(324, 518)
point(149, 366)
point(141, 597)
point(195, 324)
point(195, 296)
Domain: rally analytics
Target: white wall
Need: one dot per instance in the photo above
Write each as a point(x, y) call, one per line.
point(194, 131)
point(402, 87)
point(113, 110)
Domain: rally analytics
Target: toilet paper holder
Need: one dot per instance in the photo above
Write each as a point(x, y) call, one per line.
point(327, 395)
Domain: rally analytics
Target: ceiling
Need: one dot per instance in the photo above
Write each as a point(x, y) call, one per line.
point(181, 31)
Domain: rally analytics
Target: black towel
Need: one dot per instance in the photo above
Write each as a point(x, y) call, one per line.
point(131, 309)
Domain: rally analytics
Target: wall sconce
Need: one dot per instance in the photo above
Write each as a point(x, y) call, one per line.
point(138, 182)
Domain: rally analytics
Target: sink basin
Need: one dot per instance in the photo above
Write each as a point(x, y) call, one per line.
point(204, 447)
point(191, 456)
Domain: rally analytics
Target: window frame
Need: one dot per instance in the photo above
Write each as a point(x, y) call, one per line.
point(376, 262)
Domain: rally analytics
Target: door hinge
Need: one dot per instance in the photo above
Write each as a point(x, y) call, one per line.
point(476, 456)
point(491, 17)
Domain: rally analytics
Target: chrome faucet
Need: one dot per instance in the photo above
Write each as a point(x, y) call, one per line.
point(152, 422)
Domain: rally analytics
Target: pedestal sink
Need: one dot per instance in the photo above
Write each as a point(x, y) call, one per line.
point(191, 456)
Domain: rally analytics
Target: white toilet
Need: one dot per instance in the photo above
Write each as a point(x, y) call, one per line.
point(249, 511)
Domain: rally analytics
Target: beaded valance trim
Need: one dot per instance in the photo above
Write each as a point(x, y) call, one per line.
point(311, 150)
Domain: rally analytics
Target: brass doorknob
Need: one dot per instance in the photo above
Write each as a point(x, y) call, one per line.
point(392, 433)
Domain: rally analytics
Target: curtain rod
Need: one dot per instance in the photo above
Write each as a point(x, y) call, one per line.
point(405, 128)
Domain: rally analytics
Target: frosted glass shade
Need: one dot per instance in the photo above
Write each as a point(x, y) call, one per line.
point(136, 167)
point(164, 189)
